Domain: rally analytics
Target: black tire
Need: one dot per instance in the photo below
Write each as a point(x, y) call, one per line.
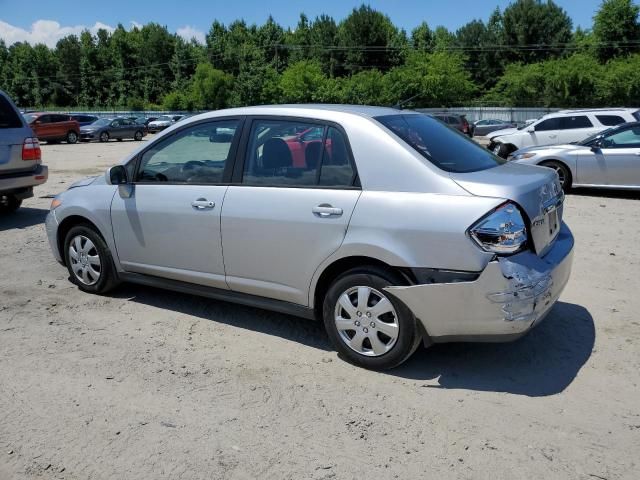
point(563, 173)
point(504, 150)
point(138, 135)
point(408, 337)
point(104, 137)
point(9, 203)
point(72, 137)
point(108, 278)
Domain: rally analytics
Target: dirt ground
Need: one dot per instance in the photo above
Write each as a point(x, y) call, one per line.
point(146, 384)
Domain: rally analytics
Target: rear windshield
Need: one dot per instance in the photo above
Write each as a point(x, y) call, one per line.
point(445, 147)
point(8, 116)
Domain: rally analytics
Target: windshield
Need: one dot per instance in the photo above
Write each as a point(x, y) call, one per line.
point(445, 147)
point(163, 118)
point(101, 122)
point(29, 118)
point(587, 141)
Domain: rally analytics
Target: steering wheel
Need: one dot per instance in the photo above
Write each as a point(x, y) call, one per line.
point(192, 165)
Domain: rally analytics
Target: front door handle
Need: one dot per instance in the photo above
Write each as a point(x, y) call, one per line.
point(553, 136)
point(325, 210)
point(202, 204)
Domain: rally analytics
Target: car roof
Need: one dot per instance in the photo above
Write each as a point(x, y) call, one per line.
point(598, 110)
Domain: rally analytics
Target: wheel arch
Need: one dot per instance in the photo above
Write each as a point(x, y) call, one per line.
point(67, 224)
point(546, 161)
point(341, 265)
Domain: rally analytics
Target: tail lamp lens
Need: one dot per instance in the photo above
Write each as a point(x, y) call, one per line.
point(503, 231)
point(31, 149)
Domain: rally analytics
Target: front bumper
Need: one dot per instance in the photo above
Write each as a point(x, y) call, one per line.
point(510, 297)
point(51, 226)
point(88, 136)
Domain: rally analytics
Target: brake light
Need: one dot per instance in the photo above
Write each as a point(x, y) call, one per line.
point(31, 149)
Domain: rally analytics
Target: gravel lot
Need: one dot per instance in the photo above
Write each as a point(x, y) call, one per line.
point(149, 384)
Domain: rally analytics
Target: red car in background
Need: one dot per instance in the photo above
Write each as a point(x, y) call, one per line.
point(307, 145)
point(53, 127)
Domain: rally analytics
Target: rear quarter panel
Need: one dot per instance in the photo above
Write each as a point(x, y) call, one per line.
point(414, 230)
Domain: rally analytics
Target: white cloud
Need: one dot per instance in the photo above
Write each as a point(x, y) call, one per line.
point(188, 32)
point(44, 31)
point(135, 24)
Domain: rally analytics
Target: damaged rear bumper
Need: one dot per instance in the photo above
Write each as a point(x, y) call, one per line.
point(510, 296)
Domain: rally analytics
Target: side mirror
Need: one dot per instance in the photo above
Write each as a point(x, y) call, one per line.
point(531, 130)
point(37, 122)
point(117, 175)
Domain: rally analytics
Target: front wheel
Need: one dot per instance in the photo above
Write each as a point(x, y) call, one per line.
point(89, 260)
point(9, 203)
point(104, 137)
point(137, 136)
point(366, 325)
point(564, 175)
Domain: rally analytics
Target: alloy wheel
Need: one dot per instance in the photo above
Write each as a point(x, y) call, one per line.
point(366, 321)
point(85, 260)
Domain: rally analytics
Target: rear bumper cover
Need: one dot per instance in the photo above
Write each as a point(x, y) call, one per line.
point(19, 182)
point(510, 297)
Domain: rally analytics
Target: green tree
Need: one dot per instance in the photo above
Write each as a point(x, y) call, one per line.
point(301, 82)
point(535, 30)
point(616, 28)
point(436, 79)
point(210, 88)
point(422, 38)
point(369, 40)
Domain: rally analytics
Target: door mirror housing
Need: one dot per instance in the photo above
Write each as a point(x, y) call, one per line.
point(117, 175)
point(531, 129)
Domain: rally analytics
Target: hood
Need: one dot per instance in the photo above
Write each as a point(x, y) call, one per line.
point(504, 131)
point(531, 187)
point(160, 122)
point(82, 183)
point(89, 128)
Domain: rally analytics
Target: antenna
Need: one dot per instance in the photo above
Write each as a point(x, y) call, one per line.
point(400, 104)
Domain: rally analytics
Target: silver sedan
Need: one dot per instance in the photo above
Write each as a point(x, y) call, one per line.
point(390, 227)
point(608, 159)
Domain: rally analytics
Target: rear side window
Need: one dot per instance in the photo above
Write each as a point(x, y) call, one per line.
point(59, 118)
point(580, 121)
point(295, 153)
point(9, 118)
point(446, 148)
point(610, 120)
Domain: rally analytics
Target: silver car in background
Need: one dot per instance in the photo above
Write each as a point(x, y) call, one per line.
point(389, 226)
point(608, 159)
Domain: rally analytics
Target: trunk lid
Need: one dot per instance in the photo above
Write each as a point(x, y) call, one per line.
point(535, 189)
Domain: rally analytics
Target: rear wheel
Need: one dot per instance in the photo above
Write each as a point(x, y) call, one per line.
point(72, 137)
point(369, 327)
point(89, 260)
point(104, 137)
point(563, 173)
point(9, 203)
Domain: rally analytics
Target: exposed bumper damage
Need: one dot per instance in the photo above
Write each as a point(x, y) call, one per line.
point(509, 297)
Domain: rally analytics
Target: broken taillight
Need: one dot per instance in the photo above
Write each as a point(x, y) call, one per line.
point(31, 149)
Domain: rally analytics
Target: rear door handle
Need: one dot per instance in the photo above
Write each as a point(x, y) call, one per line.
point(202, 204)
point(325, 210)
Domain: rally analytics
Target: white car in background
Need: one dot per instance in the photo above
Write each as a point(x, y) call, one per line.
point(565, 126)
point(163, 122)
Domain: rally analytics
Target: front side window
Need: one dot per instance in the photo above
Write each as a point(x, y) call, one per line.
point(197, 154)
point(295, 153)
point(629, 138)
point(548, 124)
point(446, 148)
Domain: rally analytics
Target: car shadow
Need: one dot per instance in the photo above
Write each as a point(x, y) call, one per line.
point(543, 362)
point(306, 332)
point(22, 218)
point(606, 193)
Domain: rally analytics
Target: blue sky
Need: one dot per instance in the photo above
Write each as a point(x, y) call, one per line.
point(17, 18)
